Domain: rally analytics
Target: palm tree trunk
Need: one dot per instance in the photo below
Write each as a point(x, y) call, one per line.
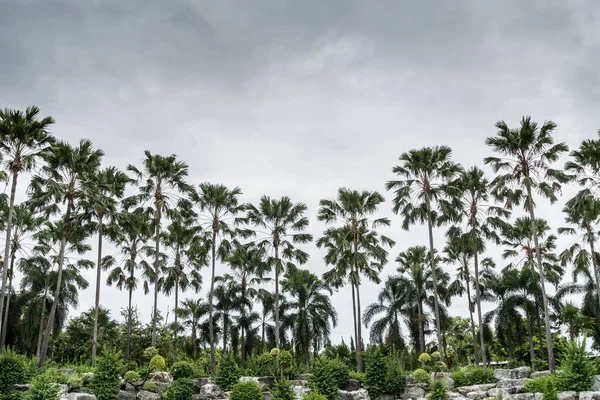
point(277, 295)
point(263, 333)
point(530, 335)
point(421, 323)
point(129, 310)
point(225, 316)
point(468, 286)
point(61, 260)
point(175, 311)
point(434, 277)
point(359, 342)
point(11, 207)
point(41, 330)
point(538, 256)
point(97, 304)
point(156, 273)
point(478, 299)
point(7, 307)
point(355, 322)
point(509, 344)
point(594, 263)
point(243, 348)
point(359, 363)
point(211, 329)
point(243, 312)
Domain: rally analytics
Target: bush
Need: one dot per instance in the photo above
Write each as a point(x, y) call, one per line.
point(132, 377)
point(438, 391)
point(75, 382)
point(13, 370)
point(539, 385)
point(473, 376)
point(578, 369)
point(540, 365)
point(395, 381)
point(328, 376)
point(359, 376)
point(375, 377)
point(421, 376)
point(424, 358)
point(150, 353)
point(157, 363)
point(228, 374)
point(182, 369)
point(180, 389)
point(248, 390)
point(262, 365)
point(550, 392)
point(314, 395)
point(284, 391)
point(106, 383)
point(43, 387)
point(150, 386)
point(286, 364)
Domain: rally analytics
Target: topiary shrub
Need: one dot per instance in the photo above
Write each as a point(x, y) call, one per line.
point(150, 386)
point(375, 375)
point(550, 392)
point(132, 377)
point(425, 358)
point(262, 365)
point(578, 372)
point(182, 369)
point(328, 376)
point(286, 364)
point(180, 389)
point(228, 373)
point(314, 395)
point(473, 376)
point(359, 376)
point(13, 370)
point(438, 391)
point(157, 363)
point(150, 352)
point(43, 387)
point(75, 382)
point(106, 383)
point(284, 391)
point(421, 376)
point(248, 390)
point(395, 381)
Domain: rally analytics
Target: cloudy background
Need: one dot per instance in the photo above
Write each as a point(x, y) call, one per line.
point(299, 98)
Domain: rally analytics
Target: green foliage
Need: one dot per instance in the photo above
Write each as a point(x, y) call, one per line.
point(473, 376)
point(315, 395)
point(421, 376)
point(157, 363)
point(246, 391)
point(578, 372)
point(438, 391)
point(182, 369)
point(328, 376)
point(395, 380)
point(31, 369)
point(131, 377)
point(150, 353)
point(262, 365)
point(13, 370)
point(550, 392)
point(286, 364)
point(56, 375)
point(375, 377)
point(75, 382)
point(538, 385)
point(106, 383)
point(514, 364)
point(150, 386)
point(540, 365)
point(180, 389)
point(359, 376)
point(43, 387)
point(228, 373)
point(425, 358)
point(284, 391)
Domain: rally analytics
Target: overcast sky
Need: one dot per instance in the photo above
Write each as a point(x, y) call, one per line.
point(299, 98)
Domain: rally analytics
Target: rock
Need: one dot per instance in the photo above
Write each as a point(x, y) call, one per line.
point(267, 380)
point(161, 376)
point(64, 389)
point(475, 388)
point(539, 374)
point(520, 396)
point(22, 387)
point(67, 371)
point(360, 394)
point(123, 395)
point(455, 396)
point(301, 391)
point(412, 392)
point(225, 395)
point(162, 387)
point(589, 395)
point(567, 395)
point(353, 384)
point(267, 395)
point(248, 379)
point(210, 391)
point(304, 377)
point(129, 388)
point(515, 373)
point(146, 395)
point(495, 392)
point(538, 396)
point(479, 395)
point(199, 382)
point(507, 383)
point(387, 397)
point(596, 385)
point(80, 396)
point(410, 379)
point(449, 382)
point(301, 383)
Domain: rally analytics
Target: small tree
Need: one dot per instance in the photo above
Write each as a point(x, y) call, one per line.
point(107, 382)
point(228, 373)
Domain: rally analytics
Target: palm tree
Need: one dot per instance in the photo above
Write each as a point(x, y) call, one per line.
point(422, 196)
point(285, 223)
point(131, 230)
point(311, 312)
point(267, 300)
point(191, 312)
point(62, 181)
point(23, 138)
point(224, 215)
point(585, 163)
point(100, 204)
point(159, 177)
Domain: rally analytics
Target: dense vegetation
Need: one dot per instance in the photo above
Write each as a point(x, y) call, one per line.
point(260, 312)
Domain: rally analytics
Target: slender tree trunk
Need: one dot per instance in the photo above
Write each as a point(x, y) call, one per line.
point(243, 348)
point(434, 277)
point(211, 329)
point(41, 331)
point(194, 345)
point(359, 343)
point(468, 284)
point(421, 322)
point(478, 298)
point(359, 361)
point(7, 307)
point(355, 322)
point(530, 335)
point(225, 316)
point(594, 263)
point(538, 256)
point(61, 260)
point(263, 333)
point(129, 310)
point(11, 207)
point(97, 304)
point(176, 327)
point(244, 322)
point(509, 344)
point(156, 273)
point(277, 293)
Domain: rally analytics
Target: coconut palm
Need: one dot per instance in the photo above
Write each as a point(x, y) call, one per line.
point(585, 164)
point(227, 302)
point(160, 182)
point(24, 136)
point(223, 213)
point(422, 195)
point(284, 223)
point(61, 182)
point(191, 312)
point(267, 301)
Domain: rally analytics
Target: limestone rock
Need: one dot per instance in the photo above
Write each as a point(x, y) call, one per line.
point(301, 391)
point(210, 391)
point(22, 387)
point(589, 395)
point(539, 374)
point(267, 395)
point(507, 383)
point(304, 377)
point(520, 396)
point(515, 373)
point(80, 396)
point(146, 395)
point(63, 390)
point(162, 387)
point(67, 371)
point(199, 382)
point(161, 376)
point(123, 395)
point(353, 384)
point(475, 388)
point(455, 396)
point(495, 392)
point(569, 395)
point(479, 395)
point(267, 380)
point(596, 385)
point(412, 392)
point(360, 394)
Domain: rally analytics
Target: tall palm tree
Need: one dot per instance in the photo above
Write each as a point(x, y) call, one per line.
point(422, 195)
point(192, 311)
point(285, 223)
point(100, 204)
point(527, 154)
point(310, 310)
point(160, 181)
point(267, 300)
point(585, 164)
point(24, 136)
point(228, 301)
point(62, 180)
point(223, 214)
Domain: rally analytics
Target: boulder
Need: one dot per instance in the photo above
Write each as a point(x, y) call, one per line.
point(267, 395)
point(412, 392)
point(146, 395)
point(479, 395)
point(80, 396)
point(248, 379)
point(520, 396)
point(199, 382)
point(515, 373)
point(353, 384)
point(596, 384)
point(360, 394)
point(455, 396)
point(63, 390)
point(567, 395)
point(475, 388)
point(22, 387)
point(387, 397)
point(267, 380)
point(161, 376)
point(162, 387)
point(495, 392)
point(539, 374)
point(301, 391)
point(449, 382)
point(209, 391)
point(589, 395)
point(301, 383)
point(508, 383)
point(123, 395)
point(129, 388)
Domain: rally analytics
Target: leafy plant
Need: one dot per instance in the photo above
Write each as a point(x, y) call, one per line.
point(182, 369)
point(421, 376)
point(375, 377)
point(248, 390)
point(132, 377)
point(315, 395)
point(550, 392)
point(425, 358)
point(538, 385)
point(228, 373)
point(438, 391)
point(329, 375)
point(395, 381)
point(150, 353)
point(151, 386)
point(13, 370)
point(540, 364)
point(262, 365)
point(106, 383)
point(75, 382)
point(284, 391)
point(43, 387)
point(473, 376)
point(157, 363)
point(578, 372)
point(359, 376)
point(180, 389)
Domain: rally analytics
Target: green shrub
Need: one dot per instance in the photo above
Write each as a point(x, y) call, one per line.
point(13, 370)
point(421, 376)
point(248, 390)
point(106, 383)
point(359, 376)
point(395, 381)
point(150, 353)
point(132, 377)
point(228, 373)
point(43, 387)
point(424, 358)
point(375, 377)
point(578, 372)
point(315, 395)
point(157, 363)
point(438, 391)
point(514, 364)
point(550, 392)
point(284, 391)
point(538, 385)
point(540, 365)
point(286, 364)
point(150, 386)
point(262, 365)
point(31, 369)
point(180, 389)
point(328, 376)
point(182, 369)
point(75, 382)
point(473, 376)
